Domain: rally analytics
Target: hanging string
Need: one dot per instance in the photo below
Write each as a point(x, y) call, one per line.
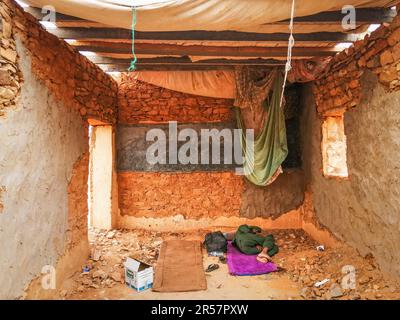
point(288, 65)
point(133, 62)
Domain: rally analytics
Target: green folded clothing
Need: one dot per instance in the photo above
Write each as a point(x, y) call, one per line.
point(248, 241)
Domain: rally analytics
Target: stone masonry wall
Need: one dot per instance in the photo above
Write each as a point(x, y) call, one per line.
point(339, 89)
point(362, 210)
point(140, 103)
point(48, 91)
point(190, 191)
point(71, 77)
point(362, 83)
point(10, 76)
point(192, 195)
point(161, 194)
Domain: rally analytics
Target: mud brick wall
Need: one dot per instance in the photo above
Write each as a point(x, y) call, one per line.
point(339, 88)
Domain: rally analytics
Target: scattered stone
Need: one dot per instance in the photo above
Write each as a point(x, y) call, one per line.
point(111, 234)
point(116, 276)
point(96, 254)
point(99, 274)
point(355, 296)
point(335, 291)
point(364, 280)
point(304, 292)
point(63, 293)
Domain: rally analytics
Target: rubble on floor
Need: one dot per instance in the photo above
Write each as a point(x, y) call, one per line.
point(305, 265)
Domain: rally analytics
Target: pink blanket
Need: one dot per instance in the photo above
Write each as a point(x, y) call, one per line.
point(240, 264)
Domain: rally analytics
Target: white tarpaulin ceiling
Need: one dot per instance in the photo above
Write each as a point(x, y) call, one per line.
point(181, 15)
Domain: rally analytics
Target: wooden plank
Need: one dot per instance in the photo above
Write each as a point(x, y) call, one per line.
point(199, 50)
point(184, 61)
point(88, 34)
point(161, 67)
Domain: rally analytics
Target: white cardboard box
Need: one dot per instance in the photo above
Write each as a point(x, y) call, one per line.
point(138, 275)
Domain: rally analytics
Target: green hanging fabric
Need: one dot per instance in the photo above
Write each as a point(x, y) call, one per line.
point(270, 146)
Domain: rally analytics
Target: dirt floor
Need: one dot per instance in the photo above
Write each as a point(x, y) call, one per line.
point(304, 266)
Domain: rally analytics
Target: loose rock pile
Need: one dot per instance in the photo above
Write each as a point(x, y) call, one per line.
point(110, 249)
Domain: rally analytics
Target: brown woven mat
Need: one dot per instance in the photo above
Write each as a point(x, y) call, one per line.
point(180, 267)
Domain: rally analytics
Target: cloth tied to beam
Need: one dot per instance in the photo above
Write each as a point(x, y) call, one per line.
point(262, 165)
point(252, 86)
point(222, 83)
point(307, 70)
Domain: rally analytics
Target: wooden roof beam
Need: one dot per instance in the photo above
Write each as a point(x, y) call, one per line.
point(98, 34)
point(199, 50)
point(163, 67)
point(185, 61)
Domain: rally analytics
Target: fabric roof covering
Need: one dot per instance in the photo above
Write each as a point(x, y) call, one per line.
point(216, 84)
point(180, 15)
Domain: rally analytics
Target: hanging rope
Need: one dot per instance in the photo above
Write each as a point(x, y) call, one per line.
point(288, 65)
point(133, 62)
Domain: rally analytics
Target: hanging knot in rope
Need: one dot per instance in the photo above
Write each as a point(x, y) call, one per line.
point(291, 43)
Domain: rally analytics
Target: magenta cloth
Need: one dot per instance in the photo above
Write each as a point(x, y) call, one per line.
point(240, 264)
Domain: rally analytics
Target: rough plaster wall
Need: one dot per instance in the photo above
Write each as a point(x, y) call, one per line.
point(40, 142)
point(285, 194)
point(363, 210)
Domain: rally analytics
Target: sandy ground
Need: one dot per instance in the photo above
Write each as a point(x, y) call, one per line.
point(304, 265)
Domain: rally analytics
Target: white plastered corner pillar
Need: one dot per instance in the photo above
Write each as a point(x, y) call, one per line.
point(102, 182)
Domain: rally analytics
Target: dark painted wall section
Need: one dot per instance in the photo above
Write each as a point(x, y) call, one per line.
point(132, 147)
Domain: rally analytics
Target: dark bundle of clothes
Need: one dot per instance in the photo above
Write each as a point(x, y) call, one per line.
point(247, 239)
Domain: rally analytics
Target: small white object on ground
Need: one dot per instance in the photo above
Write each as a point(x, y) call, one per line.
point(321, 283)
